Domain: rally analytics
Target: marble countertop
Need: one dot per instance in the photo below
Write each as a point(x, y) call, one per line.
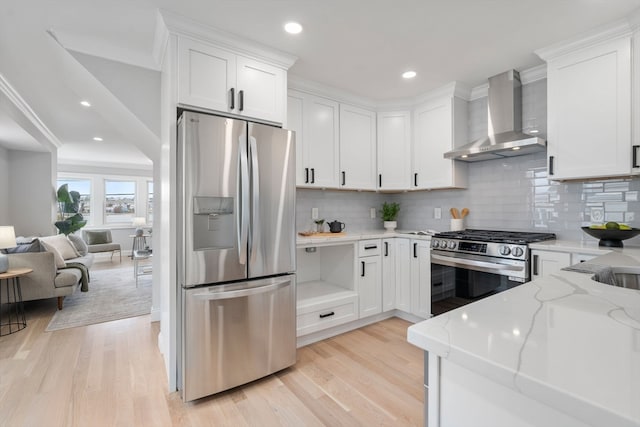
point(564, 340)
point(356, 236)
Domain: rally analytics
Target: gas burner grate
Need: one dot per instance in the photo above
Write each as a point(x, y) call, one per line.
point(498, 236)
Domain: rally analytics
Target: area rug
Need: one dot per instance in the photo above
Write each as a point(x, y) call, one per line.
point(112, 295)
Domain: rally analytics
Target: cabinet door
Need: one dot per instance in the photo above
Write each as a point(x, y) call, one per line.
point(420, 278)
point(370, 286)
point(388, 274)
point(295, 122)
point(261, 90)
point(439, 126)
point(321, 135)
point(357, 148)
point(206, 75)
point(394, 150)
point(589, 112)
point(544, 263)
point(403, 275)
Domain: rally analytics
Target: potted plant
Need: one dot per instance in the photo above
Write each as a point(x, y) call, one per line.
point(389, 214)
point(319, 225)
point(70, 219)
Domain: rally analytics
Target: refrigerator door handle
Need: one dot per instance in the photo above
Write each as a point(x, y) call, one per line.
point(255, 202)
point(243, 199)
point(209, 296)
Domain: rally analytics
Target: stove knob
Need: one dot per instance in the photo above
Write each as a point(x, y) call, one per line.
point(452, 244)
point(517, 251)
point(435, 243)
point(505, 250)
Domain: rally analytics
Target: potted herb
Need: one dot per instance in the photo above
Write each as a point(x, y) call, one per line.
point(319, 225)
point(70, 219)
point(389, 214)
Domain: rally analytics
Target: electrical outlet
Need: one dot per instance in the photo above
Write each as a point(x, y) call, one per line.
point(372, 212)
point(437, 213)
point(314, 213)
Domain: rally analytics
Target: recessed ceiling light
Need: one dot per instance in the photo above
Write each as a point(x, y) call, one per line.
point(464, 156)
point(97, 138)
point(293, 28)
point(85, 103)
point(533, 131)
point(515, 148)
point(408, 74)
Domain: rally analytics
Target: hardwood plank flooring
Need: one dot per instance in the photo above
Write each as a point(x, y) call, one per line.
point(112, 374)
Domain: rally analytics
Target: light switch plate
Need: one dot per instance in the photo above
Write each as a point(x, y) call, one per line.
point(314, 213)
point(437, 213)
point(372, 213)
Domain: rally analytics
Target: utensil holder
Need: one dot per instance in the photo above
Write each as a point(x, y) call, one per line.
point(457, 224)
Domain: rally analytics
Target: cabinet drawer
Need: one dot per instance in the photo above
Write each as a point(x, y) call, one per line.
point(326, 317)
point(369, 247)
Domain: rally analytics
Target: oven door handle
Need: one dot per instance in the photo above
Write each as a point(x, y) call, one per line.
point(489, 267)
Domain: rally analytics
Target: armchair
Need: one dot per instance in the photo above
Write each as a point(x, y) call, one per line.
point(101, 241)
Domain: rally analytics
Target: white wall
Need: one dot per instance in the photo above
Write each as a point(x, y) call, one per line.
point(4, 186)
point(31, 200)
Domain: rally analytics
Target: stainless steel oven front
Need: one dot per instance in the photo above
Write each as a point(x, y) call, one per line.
point(458, 278)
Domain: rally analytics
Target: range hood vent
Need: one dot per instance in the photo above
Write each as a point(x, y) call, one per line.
point(506, 138)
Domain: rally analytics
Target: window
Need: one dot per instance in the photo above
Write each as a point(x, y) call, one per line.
point(149, 202)
point(120, 201)
point(82, 186)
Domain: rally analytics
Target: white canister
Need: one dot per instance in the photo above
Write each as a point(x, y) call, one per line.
point(457, 224)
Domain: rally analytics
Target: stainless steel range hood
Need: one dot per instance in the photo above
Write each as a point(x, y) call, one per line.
point(506, 138)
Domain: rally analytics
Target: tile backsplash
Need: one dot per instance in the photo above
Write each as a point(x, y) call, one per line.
point(510, 194)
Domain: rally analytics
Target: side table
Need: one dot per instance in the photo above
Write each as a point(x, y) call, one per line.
point(15, 317)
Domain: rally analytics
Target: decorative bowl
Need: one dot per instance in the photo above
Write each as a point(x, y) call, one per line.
point(611, 238)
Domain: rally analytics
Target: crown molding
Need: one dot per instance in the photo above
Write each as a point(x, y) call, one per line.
point(187, 27)
point(303, 85)
point(533, 74)
point(619, 29)
point(14, 97)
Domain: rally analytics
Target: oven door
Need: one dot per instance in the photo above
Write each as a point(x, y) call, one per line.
point(470, 277)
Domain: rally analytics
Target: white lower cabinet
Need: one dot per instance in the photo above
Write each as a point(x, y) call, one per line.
point(369, 277)
point(420, 278)
point(389, 274)
point(547, 262)
point(403, 274)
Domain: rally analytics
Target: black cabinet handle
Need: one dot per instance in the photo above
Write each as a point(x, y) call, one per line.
point(344, 177)
point(306, 175)
point(362, 269)
point(415, 250)
point(535, 265)
point(331, 313)
point(379, 180)
point(366, 248)
point(550, 165)
point(386, 248)
point(635, 156)
point(415, 179)
point(232, 104)
point(241, 100)
point(313, 175)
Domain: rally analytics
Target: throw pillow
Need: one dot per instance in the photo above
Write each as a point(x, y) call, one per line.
point(80, 245)
point(56, 255)
point(24, 248)
point(62, 245)
point(97, 237)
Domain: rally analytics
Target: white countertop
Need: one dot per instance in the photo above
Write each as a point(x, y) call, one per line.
point(564, 340)
point(355, 236)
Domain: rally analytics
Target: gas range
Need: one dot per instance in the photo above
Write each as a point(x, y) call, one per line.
point(494, 243)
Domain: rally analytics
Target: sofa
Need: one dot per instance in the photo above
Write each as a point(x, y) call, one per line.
point(54, 274)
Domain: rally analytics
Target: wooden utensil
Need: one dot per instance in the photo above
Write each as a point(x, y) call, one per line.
point(464, 212)
point(454, 213)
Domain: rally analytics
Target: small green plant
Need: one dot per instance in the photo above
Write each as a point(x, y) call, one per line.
point(319, 221)
point(390, 211)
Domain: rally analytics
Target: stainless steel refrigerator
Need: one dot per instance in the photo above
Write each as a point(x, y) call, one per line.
point(236, 260)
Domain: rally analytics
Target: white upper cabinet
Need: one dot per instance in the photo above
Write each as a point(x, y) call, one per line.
point(357, 148)
point(589, 108)
point(220, 80)
point(316, 122)
point(440, 124)
point(394, 150)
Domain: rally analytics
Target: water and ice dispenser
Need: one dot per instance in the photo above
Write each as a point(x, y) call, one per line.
point(213, 223)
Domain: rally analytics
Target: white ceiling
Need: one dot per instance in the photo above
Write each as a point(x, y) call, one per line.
point(360, 46)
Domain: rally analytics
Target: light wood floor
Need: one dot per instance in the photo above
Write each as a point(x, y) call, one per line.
point(112, 374)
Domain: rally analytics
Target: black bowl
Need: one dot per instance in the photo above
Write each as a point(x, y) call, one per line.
point(611, 238)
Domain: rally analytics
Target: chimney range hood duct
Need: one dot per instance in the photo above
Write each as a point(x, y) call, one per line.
point(505, 125)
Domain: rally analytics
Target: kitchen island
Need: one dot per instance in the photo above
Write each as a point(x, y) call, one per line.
point(562, 350)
